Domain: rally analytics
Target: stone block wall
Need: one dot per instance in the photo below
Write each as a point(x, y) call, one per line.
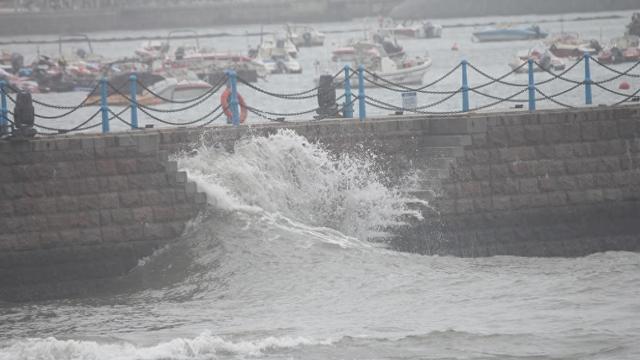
point(77, 209)
point(563, 183)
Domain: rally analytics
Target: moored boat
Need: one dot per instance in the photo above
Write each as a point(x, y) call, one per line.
point(420, 30)
point(510, 33)
point(275, 56)
point(571, 45)
point(305, 36)
point(171, 89)
point(405, 71)
point(622, 49)
point(544, 59)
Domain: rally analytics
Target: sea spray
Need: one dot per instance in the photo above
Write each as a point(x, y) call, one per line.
point(285, 175)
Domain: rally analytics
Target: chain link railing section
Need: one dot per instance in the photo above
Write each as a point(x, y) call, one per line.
point(464, 88)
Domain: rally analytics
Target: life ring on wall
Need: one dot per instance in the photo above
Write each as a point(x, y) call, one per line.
point(224, 100)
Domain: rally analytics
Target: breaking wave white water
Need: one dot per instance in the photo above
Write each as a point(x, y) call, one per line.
point(286, 176)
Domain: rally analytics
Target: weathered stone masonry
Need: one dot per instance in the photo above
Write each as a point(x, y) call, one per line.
point(550, 184)
point(82, 208)
point(553, 183)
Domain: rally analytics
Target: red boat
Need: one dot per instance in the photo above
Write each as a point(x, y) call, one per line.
point(623, 49)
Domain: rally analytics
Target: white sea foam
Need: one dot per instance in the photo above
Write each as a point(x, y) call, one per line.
point(286, 177)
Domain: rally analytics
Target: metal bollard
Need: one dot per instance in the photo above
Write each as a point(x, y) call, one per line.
point(347, 112)
point(233, 101)
point(133, 79)
point(588, 98)
point(362, 110)
point(465, 87)
point(532, 88)
point(104, 106)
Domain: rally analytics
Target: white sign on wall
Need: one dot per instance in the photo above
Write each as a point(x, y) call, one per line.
point(409, 100)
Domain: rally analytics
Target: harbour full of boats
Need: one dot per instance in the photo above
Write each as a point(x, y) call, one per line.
point(176, 70)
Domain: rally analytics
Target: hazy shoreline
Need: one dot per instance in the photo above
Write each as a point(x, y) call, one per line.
point(260, 12)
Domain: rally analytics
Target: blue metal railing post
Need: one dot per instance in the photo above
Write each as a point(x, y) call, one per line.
point(133, 79)
point(532, 88)
point(362, 110)
point(233, 101)
point(104, 106)
point(348, 104)
point(588, 98)
point(3, 111)
point(465, 87)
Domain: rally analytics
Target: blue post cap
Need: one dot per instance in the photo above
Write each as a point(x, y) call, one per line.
point(464, 62)
point(133, 77)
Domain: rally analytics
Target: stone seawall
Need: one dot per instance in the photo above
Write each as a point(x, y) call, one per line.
point(553, 183)
point(79, 209)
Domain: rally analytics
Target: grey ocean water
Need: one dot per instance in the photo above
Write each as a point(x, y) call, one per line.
point(279, 267)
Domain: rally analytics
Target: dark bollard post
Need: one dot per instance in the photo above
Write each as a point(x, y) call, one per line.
point(104, 106)
point(362, 110)
point(532, 88)
point(587, 80)
point(233, 101)
point(3, 110)
point(465, 87)
point(133, 79)
point(348, 104)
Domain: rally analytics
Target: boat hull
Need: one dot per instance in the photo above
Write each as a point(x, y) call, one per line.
point(507, 35)
point(405, 76)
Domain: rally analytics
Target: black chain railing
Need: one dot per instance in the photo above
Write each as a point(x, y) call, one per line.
point(232, 105)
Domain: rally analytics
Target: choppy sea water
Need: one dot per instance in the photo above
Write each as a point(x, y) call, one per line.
point(279, 267)
point(491, 58)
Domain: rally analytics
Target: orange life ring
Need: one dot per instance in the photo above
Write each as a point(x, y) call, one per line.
point(224, 100)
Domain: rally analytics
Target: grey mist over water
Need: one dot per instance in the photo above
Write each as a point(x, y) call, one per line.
point(279, 266)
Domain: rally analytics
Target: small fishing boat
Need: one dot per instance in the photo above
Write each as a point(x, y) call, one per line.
point(405, 71)
point(305, 36)
point(420, 30)
point(278, 41)
point(165, 89)
point(510, 33)
point(544, 58)
point(275, 56)
point(570, 45)
point(622, 49)
point(152, 51)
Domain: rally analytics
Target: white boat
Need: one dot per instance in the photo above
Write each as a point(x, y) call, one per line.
point(305, 36)
point(404, 71)
point(171, 89)
point(571, 45)
point(152, 50)
point(546, 60)
point(180, 90)
point(280, 42)
point(204, 62)
point(275, 56)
